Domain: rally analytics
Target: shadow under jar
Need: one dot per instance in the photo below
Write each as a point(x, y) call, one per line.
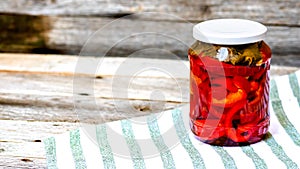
point(229, 82)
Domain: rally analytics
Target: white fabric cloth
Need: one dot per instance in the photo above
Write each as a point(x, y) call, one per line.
point(159, 141)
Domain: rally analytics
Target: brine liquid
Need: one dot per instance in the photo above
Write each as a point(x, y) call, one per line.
point(228, 107)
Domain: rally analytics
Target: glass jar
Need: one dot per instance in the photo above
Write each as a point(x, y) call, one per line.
point(229, 82)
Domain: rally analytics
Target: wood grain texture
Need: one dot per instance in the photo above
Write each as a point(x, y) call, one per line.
point(65, 65)
point(23, 33)
point(12, 162)
point(21, 142)
point(267, 11)
point(94, 36)
point(41, 88)
point(102, 36)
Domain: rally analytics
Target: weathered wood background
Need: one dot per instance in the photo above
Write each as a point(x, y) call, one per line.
point(63, 26)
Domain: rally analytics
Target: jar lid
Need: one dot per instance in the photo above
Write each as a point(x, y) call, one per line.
point(229, 31)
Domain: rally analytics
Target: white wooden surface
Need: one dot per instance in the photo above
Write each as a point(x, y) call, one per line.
point(37, 100)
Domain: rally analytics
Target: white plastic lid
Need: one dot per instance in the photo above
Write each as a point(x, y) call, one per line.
point(229, 31)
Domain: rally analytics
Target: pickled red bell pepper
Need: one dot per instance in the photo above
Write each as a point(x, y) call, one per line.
point(254, 85)
point(241, 83)
point(229, 102)
point(258, 95)
point(240, 87)
point(231, 99)
point(229, 85)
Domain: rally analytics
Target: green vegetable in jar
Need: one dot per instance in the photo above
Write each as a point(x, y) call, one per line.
point(248, 54)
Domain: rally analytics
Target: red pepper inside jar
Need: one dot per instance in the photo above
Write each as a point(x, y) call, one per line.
point(229, 82)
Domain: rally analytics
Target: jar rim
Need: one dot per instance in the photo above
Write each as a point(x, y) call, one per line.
point(229, 31)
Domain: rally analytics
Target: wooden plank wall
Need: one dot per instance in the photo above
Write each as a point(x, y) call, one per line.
point(63, 26)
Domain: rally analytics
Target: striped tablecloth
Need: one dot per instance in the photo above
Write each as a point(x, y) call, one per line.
point(165, 141)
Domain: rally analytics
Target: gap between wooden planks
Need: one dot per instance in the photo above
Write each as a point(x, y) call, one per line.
point(41, 88)
point(65, 64)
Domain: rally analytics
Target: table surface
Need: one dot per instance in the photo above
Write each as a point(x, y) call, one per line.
point(43, 95)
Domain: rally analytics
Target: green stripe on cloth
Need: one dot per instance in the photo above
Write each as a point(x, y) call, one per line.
point(258, 162)
point(76, 149)
point(50, 148)
point(185, 140)
point(283, 119)
point(295, 86)
point(164, 151)
point(279, 152)
point(227, 160)
point(134, 148)
point(104, 147)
